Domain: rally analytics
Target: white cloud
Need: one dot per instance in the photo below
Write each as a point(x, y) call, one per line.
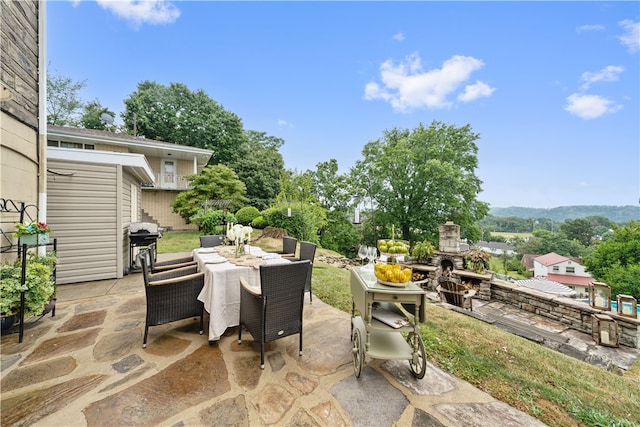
point(399, 37)
point(284, 123)
point(631, 36)
point(609, 73)
point(590, 107)
point(143, 11)
point(475, 91)
point(407, 86)
point(593, 27)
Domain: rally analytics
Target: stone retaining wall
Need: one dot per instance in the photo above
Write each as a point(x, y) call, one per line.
point(567, 311)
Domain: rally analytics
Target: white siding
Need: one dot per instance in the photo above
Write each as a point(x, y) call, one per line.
point(83, 211)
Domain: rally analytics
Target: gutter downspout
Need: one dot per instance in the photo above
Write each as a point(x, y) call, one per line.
point(41, 148)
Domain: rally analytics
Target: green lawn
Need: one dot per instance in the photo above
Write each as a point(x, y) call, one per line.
point(552, 387)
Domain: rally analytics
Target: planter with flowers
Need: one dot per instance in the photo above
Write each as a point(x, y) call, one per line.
point(39, 285)
point(34, 233)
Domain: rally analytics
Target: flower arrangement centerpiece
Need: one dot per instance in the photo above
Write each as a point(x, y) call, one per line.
point(33, 233)
point(239, 234)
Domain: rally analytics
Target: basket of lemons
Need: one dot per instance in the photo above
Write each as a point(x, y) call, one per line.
point(393, 274)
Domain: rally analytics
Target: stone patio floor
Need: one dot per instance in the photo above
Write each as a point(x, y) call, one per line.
point(86, 367)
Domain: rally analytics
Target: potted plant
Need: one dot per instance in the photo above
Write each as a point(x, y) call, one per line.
point(33, 233)
point(39, 286)
point(10, 288)
point(422, 251)
point(477, 260)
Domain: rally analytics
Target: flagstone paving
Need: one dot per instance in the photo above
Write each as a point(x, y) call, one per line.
point(86, 367)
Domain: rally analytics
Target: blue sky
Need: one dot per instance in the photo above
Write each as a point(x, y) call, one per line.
point(552, 88)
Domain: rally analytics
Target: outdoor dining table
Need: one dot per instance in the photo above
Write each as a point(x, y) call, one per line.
point(222, 272)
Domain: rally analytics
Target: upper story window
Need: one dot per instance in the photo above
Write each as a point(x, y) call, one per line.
point(570, 269)
point(63, 144)
point(556, 268)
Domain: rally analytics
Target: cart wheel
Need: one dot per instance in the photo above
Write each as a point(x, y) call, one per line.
point(418, 362)
point(357, 352)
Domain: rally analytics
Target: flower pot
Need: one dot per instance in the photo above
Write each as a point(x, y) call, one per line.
point(6, 322)
point(34, 239)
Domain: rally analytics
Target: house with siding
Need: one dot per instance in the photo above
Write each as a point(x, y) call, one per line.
point(496, 248)
point(567, 271)
point(100, 182)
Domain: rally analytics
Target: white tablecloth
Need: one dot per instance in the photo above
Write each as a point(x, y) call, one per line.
point(221, 291)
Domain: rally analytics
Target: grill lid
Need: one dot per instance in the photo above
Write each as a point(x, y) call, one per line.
point(139, 227)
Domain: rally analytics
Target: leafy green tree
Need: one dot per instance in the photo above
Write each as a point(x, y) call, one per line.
point(297, 193)
point(579, 229)
point(92, 116)
point(63, 100)
point(333, 191)
point(544, 241)
point(216, 182)
point(421, 178)
point(175, 114)
point(616, 261)
point(259, 166)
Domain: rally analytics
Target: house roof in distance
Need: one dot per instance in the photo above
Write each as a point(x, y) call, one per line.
point(551, 258)
point(569, 279)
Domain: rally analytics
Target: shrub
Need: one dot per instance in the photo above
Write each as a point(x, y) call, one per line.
point(208, 220)
point(259, 222)
point(246, 215)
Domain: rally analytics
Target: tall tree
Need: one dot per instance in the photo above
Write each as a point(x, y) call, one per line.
point(421, 178)
point(579, 229)
point(217, 182)
point(259, 166)
point(63, 100)
point(616, 261)
point(92, 118)
point(544, 241)
point(333, 191)
point(176, 114)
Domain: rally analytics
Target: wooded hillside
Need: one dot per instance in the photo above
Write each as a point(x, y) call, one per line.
point(617, 214)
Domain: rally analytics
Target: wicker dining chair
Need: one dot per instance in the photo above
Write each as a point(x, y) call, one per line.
point(307, 252)
point(211, 240)
point(172, 295)
point(289, 245)
point(274, 310)
point(167, 264)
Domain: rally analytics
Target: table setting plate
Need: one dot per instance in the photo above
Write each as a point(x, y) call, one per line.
point(206, 251)
point(217, 260)
point(395, 285)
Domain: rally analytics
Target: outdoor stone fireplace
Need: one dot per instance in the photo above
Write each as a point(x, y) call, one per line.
point(448, 260)
point(568, 311)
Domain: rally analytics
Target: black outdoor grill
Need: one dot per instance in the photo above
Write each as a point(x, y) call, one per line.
point(142, 234)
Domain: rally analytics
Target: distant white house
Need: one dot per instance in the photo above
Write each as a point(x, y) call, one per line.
point(564, 270)
point(496, 248)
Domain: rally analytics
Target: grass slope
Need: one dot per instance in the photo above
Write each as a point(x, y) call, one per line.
point(556, 389)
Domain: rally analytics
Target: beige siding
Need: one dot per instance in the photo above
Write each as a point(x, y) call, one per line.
point(126, 216)
point(18, 161)
point(156, 207)
point(82, 209)
point(185, 167)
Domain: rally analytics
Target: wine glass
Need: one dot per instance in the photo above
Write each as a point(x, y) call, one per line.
point(372, 254)
point(362, 253)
